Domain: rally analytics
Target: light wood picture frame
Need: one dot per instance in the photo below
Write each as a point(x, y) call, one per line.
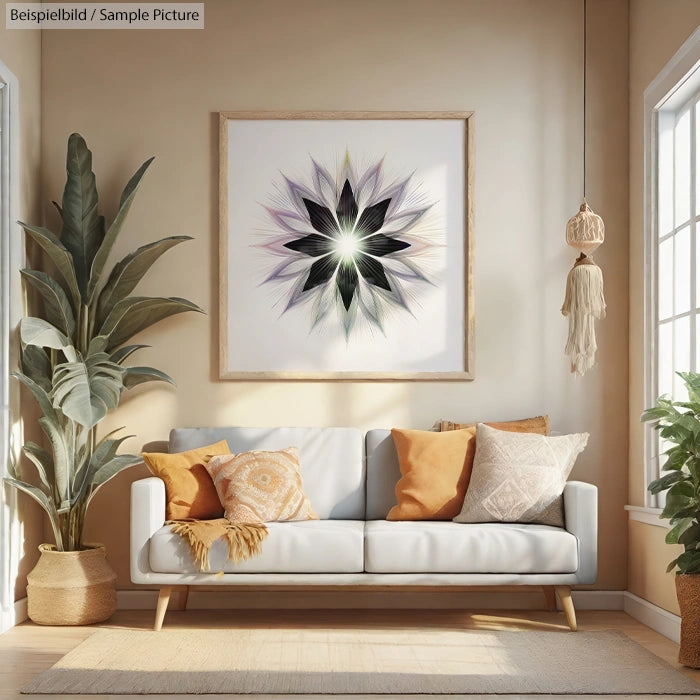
point(346, 246)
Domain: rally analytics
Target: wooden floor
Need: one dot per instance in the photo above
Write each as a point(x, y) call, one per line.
point(28, 649)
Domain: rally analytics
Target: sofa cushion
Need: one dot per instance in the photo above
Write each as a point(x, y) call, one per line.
point(383, 473)
point(446, 547)
point(301, 546)
point(331, 459)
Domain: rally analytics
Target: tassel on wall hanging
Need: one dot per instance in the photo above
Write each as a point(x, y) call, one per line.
point(584, 301)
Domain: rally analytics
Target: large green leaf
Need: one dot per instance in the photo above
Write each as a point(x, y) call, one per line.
point(97, 344)
point(43, 462)
point(87, 390)
point(127, 273)
point(134, 314)
point(41, 395)
point(56, 305)
point(44, 501)
point(683, 424)
point(110, 237)
point(677, 506)
point(124, 352)
point(62, 461)
point(677, 457)
point(655, 413)
point(665, 482)
point(682, 488)
point(690, 535)
point(690, 511)
point(694, 470)
point(692, 382)
point(103, 453)
point(36, 493)
point(35, 363)
point(60, 257)
point(138, 375)
point(51, 424)
point(675, 432)
point(37, 331)
point(82, 230)
point(110, 470)
point(689, 562)
point(693, 406)
point(675, 532)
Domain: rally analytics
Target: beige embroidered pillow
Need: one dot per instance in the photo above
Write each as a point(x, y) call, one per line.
point(519, 477)
point(261, 486)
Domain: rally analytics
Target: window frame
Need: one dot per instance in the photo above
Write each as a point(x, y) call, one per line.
point(11, 257)
point(667, 96)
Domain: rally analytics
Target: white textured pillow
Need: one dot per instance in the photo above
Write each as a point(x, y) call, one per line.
point(519, 477)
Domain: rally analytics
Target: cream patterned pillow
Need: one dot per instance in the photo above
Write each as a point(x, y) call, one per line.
point(519, 477)
point(261, 486)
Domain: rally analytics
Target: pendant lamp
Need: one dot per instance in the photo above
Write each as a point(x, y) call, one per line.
point(584, 301)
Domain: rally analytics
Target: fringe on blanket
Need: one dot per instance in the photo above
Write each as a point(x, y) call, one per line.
point(244, 539)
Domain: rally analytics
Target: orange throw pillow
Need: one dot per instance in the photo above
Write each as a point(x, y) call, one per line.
point(436, 467)
point(435, 471)
point(189, 490)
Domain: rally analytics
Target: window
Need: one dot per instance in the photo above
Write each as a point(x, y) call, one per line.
point(672, 223)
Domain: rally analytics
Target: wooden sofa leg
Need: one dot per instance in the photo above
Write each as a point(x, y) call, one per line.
point(550, 598)
point(564, 593)
point(163, 598)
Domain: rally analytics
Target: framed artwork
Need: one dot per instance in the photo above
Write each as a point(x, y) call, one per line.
point(346, 245)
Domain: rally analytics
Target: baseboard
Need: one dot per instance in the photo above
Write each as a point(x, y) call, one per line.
point(137, 600)
point(529, 599)
point(660, 620)
point(598, 600)
point(21, 613)
point(14, 616)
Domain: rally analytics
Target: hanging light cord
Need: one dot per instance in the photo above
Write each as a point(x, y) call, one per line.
point(584, 97)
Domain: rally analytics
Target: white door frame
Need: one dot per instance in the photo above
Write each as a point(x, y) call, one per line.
point(11, 257)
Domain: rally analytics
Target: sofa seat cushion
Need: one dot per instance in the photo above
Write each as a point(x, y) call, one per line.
point(445, 547)
point(303, 546)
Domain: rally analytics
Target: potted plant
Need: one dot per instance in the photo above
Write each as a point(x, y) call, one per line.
point(74, 348)
point(679, 424)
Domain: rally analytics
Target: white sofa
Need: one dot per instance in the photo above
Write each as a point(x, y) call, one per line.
point(350, 482)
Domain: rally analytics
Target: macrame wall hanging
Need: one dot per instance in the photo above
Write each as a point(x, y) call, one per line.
point(584, 301)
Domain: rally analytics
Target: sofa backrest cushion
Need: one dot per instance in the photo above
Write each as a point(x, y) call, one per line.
point(382, 473)
point(331, 459)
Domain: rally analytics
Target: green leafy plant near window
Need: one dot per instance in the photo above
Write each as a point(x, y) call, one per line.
point(74, 348)
point(678, 423)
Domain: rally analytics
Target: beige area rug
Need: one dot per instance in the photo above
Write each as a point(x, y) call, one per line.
point(338, 661)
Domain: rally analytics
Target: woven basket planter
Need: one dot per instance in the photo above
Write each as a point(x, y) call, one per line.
point(688, 592)
point(71, 588)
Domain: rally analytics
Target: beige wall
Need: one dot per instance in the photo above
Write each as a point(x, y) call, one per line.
point(21, 53)
point(517, 64)
point(658, 28)
point(649, 556)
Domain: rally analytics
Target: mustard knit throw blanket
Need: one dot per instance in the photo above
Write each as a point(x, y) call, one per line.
point(244, 539)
